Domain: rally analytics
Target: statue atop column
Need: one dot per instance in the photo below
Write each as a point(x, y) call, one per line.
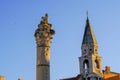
point(44, 19)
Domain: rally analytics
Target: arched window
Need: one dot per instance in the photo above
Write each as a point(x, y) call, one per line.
point(96, 78)
point(88, 78)
point(96, 64)
point(86, 64)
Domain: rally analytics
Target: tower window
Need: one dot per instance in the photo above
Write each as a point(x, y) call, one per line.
point(95, 49)
point(90, 49)
point(96, 64)
point(96, 78)
point(88, 78)
point(86, 64)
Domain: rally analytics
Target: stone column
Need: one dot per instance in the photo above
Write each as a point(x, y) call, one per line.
point(43, 36)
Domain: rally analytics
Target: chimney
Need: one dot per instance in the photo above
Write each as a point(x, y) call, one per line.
point(107, 68)
point(2, 77)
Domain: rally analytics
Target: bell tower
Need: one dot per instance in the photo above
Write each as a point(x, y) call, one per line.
point(43, 36)
point(90, 61)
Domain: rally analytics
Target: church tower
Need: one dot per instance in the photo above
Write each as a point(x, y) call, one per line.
point(43, 36)
point(90, 61)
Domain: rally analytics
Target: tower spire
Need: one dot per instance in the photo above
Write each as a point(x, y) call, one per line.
point(89, 36)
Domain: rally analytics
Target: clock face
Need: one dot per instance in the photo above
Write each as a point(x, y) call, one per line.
point(91, 50)
point(84, 50)
point(96, 50)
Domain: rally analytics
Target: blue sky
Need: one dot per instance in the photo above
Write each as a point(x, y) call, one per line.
point(19, 19)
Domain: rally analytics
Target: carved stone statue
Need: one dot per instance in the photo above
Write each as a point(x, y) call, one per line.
point(45, 19)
